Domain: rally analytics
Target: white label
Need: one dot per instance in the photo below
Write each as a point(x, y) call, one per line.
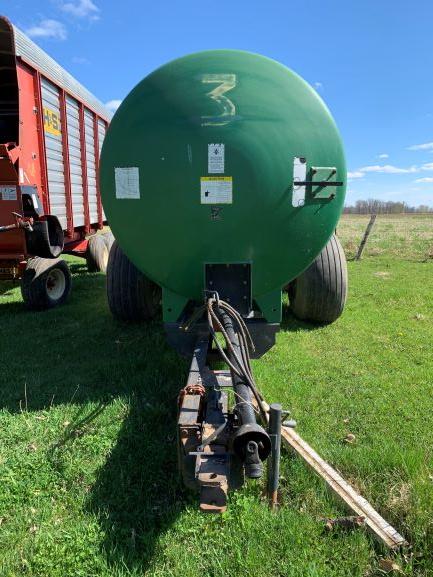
point(8, 192)
point(127, 182)
point(299, 175)
point(216, 189)
point(215, 158)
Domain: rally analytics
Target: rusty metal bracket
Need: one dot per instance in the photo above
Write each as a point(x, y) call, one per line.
point(212, 437)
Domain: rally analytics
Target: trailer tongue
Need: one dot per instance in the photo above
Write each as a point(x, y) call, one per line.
point(219, 440)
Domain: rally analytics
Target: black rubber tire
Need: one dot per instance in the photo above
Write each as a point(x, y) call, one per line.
point(108, 239)
point(46, 283)
point(97, 254)
point(131, 295)
point(319, 293)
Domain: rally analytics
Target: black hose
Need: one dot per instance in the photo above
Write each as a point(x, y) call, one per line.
point(237, 358)
point(244, 407)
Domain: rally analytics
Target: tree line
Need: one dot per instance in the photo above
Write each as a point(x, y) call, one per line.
point(373, 206)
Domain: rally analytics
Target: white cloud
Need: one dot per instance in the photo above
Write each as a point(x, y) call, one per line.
point(81, 9)
point(384, 155)
point(318, 85)
point(48, 29)
point(425, 179)
point(388, 169)
point(113, 105)
point(424, 146)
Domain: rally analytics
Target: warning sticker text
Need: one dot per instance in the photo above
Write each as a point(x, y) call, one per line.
point(216, 189)
point(8, 193)
point(215, 157)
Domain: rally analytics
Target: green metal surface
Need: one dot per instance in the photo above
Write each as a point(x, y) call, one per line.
point(265, 115)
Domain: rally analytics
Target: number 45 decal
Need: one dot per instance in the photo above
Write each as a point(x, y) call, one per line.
point(224, 82)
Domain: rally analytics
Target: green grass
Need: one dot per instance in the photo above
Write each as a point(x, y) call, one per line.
point(404, 236)
point(88, 470)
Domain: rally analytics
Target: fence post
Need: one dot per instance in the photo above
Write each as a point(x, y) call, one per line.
point(365, 237)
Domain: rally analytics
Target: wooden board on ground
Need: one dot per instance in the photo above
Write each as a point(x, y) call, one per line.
point(360, 506)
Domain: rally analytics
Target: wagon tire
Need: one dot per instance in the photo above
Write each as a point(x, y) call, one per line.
point(46, 283)
point(97, 254)
point(319, 293)
point(108, 239)
point(131, 295)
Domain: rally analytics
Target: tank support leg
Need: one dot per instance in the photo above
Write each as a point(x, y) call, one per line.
point(275, 413)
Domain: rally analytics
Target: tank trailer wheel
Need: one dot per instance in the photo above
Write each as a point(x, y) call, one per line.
point(97, 254)
point(46, 283)
point(319, 293)
point(131, 295)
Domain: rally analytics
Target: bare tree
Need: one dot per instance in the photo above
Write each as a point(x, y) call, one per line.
point(374, 206)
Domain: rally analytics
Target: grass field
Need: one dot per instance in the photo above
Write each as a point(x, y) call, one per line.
point(403, 236)
point(88, 471)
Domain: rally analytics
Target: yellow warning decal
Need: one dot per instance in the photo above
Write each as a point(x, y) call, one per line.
point(216, 189)
point(52, 122)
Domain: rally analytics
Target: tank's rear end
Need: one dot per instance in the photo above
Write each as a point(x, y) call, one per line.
point(223, 170)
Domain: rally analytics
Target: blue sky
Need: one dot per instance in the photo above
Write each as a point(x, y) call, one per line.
point(371, 61)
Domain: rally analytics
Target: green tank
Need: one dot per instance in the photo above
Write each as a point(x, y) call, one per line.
point(222, 157)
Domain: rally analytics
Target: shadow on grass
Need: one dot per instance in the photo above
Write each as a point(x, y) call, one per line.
point(78, 354)
point(289, 323)
point(7, 286)
point(138, 494)
point(78, 267)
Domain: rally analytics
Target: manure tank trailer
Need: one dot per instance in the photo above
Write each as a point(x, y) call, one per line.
point(223, 178)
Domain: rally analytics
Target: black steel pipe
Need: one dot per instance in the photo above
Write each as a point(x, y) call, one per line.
point(7, 227)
